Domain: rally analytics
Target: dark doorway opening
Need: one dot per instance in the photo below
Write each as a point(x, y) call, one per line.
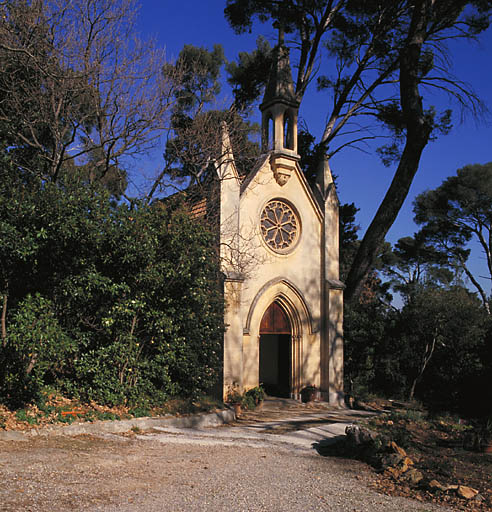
point(275, 363)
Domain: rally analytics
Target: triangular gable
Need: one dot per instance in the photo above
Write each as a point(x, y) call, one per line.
point(297, 174)
point(260, 162)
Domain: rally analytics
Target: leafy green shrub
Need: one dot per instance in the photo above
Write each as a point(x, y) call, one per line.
point(257, 394)
point(36, 351)
point(408, 415)
point(248, 402)
point(89, 416)
point(66, 418)
point(139, 412)
point(42, 405)
point(107, 416)
point(233, 395)
point(106, 302)
point(22, 415)
point(435, 349)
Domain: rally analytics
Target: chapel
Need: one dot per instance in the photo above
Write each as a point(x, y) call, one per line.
point(279, 244)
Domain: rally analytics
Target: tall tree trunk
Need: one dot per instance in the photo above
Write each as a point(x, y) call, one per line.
point(4, 319)
point(385, 216)
point(418, 130)
point(426, 357)
point(5, 298)
point(475, 283)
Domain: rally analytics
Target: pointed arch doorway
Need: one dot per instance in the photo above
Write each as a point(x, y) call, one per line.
point(275, 358)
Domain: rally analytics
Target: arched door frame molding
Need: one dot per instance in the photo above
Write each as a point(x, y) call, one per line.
point(281, 288)
point(296, 310)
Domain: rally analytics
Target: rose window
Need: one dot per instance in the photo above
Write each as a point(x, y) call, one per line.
point(279, 226)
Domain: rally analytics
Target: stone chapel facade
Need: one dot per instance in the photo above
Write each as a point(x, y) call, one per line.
point(279, 253)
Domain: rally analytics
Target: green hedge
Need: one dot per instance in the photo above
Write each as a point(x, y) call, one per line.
point(105, 302)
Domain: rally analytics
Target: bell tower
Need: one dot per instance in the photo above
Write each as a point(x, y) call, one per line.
point(279, 115)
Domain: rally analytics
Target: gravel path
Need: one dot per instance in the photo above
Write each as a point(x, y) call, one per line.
point(111, 473)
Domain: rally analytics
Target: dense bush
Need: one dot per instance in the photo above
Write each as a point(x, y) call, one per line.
point(116, 303)
point(36, 350)
point(436, 349)
point(448, 326)
point(363, 329)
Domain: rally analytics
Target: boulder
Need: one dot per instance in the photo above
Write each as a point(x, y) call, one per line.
point(405, 464)
point(357, 436)
point(394, 472)
point(413, 476)
point(391, 460)
point(435, 486)
point(397, 449)
point(363, 444)
point(407, 461)
point(465, 492)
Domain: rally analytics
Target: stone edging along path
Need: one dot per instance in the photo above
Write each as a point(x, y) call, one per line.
point(115, 426)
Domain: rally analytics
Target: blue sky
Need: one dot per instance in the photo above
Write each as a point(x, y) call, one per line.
point(362, 178)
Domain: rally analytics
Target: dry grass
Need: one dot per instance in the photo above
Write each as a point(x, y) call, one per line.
point(441, 450)
point(56, 409)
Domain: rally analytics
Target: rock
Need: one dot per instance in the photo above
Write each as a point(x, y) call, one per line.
point(403, 466)
point(479, 498)
point(397, 449)
point(407, 461)
point(391, 460)
point(352, 433)
point(362, 443)
point(413, 476)
point(466, 492)
point(394, 472)
point(358, 435)
point(435, 486)
point(367, 436)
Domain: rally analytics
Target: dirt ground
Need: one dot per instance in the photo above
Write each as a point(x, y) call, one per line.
point(440, 455)
point(125, 474)
point(439, 448)
point(122, 473)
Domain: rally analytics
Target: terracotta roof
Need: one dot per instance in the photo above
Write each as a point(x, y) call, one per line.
point(198, 208)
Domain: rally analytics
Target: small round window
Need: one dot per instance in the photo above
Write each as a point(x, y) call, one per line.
point(280, 226)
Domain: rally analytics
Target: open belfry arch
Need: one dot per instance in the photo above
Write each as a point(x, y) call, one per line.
point(279, 253)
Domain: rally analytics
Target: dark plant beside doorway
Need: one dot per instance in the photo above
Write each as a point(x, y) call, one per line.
point(233, 396)
point(257, 394)
point(247, 402)
point(308, 394)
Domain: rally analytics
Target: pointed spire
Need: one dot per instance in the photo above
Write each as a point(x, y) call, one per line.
point(226, 146)
point(280, 106)
point(324, 178)
point(226, 167)
point(280, 87)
